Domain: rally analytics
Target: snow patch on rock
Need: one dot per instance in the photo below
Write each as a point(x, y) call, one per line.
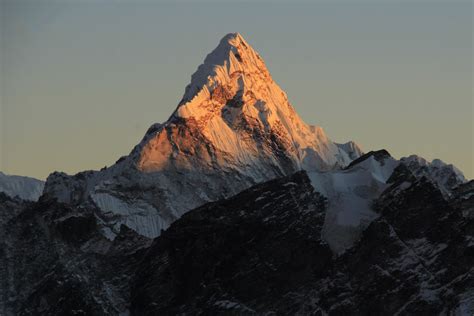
point(350, 194)
point(137, 215)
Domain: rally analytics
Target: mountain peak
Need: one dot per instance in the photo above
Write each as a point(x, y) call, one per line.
point(232, 59)
point(242, 120)
point(235, 127)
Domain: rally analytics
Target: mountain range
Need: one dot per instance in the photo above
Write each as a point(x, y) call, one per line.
point(236, 206)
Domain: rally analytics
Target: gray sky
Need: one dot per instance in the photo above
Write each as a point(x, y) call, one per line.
point(81, 81)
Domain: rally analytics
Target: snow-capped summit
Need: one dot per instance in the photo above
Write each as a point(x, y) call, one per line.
point(233, 128)
point(244, 121)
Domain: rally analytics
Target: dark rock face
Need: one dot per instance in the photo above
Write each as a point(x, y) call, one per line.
point(10, 207)
point(241, 255)
point(76, 229)
point(259, 252)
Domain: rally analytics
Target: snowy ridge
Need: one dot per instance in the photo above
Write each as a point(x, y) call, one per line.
point(352, 191)
point(445, 176)
point(24, 187)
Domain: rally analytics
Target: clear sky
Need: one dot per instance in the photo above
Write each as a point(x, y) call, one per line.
point(81, 81)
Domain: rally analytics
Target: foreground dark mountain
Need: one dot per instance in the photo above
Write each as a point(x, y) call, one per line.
point(260, 251)
point(243, 254)
point(54, 261)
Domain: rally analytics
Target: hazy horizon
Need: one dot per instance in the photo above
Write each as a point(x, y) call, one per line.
point(81, 82)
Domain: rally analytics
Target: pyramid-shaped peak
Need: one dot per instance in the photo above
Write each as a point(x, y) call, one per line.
point(232, 54)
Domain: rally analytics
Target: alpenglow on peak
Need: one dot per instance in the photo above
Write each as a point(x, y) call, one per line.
point(236, 105)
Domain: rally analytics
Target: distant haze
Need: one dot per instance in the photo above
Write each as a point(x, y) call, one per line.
point(81, 81)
